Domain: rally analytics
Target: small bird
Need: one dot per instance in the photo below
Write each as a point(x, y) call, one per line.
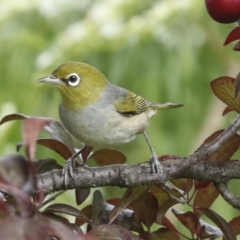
point(99, 113)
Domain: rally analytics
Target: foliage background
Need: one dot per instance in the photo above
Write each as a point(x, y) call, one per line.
point(164, 50)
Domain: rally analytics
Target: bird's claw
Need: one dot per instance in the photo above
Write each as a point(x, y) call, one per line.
point(68, 167)
point(155, 164)
point(68, 172)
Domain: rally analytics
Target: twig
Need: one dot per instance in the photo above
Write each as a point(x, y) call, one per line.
point(229, 197)
point(51, 199)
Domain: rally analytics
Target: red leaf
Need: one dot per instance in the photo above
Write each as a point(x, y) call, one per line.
point(208, 231)
point(227, 149)
point(220, 222)
point(66, 209)
point(168, 157)
point(162, 196)
point(14, 116)
point(130, 195)
point(163, 209)
point(168, 224)
point(205, 197)
point(183, 184)
point(237, 85)
point(226, 111)
point(113, 201)
point(200, 185)
point(101, 210)
point(235, 224)
point(164, 233)
point(46, 165)
point(145, 209)
point(87, 212)
point(55, 217)
point(81, 194)
point(30, 130)
point(14, 169)
point(108, 231)
point(19, 228)
point(232, 36)
point(53, 127)
point(224, 89)
point(105, 157)
point(86, 153)
point(56, 146)
point(58, 231)
point(237, 46)
point(188, 219)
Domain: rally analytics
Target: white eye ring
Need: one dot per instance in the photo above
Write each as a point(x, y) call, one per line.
point(73, 79)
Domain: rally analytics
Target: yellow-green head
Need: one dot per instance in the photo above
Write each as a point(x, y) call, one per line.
point(78, 83)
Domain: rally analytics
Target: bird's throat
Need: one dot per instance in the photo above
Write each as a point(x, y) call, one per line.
point(78, 101)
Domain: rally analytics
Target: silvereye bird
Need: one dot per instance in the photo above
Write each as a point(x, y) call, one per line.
point(99, 113)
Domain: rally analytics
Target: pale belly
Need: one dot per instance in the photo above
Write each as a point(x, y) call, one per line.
point(95, 127)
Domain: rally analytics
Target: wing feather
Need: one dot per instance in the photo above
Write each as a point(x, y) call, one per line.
point(131, 104)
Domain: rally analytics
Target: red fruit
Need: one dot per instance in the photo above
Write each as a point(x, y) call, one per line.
point(224, 11)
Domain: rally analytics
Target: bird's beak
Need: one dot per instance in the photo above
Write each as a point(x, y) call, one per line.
point(50, 79)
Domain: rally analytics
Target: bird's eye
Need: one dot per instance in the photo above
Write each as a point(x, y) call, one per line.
point(73, 79)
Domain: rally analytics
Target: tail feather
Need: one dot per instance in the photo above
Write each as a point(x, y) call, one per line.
point(158, 106)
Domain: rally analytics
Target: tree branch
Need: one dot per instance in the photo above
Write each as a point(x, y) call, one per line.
point(229, 197)
point(205, 150)
point(123, 175)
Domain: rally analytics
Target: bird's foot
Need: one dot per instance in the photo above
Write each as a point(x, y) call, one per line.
point(155, 164)
point(68, 172)
point(68, 169)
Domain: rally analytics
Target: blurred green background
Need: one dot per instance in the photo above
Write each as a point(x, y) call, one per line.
point(164, 50)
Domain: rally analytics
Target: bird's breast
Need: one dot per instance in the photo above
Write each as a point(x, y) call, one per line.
point(102, 126)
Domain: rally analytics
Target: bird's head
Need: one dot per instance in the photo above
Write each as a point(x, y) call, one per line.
point(79, 84)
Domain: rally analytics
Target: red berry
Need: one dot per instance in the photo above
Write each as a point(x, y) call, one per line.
point(224, 11)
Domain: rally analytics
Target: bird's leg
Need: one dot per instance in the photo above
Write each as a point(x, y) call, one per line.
point(70, 165)
point(155, 164)
point(72, 158)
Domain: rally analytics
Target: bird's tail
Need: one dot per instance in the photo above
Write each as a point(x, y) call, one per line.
point(158, 106)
